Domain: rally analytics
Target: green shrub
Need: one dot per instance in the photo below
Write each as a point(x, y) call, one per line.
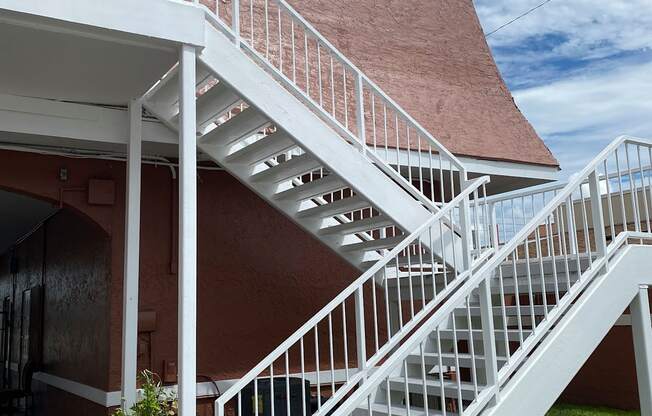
point(154, 400)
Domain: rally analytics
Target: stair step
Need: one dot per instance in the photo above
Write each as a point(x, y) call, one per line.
point(341, 206)
point(535, 264)
point(366, 224)
point(509, 286)
point(378, 409)
point(463, 334)
point(433, 387)
point(263, 149)
point(214, 103)
point(448, 359)
point(242, 126)
point(312, 189)
point(373, 245)
point(292, 168)
point(525, 310)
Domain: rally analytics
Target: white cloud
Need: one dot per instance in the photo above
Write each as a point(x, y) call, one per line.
point(580, 115)
point(593, 28)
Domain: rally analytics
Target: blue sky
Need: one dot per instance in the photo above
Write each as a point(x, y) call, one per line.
point(580, 70)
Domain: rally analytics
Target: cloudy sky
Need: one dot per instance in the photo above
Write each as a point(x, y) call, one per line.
point(580, 70)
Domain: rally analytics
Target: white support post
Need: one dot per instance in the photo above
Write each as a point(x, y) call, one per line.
point(235, 13)
point(187, 332)
point(596, 214)
point(642, 333)
point(493, 223)
point(488, 337)
point(131, 257)
point(361, 338)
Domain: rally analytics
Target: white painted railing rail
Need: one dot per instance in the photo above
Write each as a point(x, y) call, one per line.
point(388, 302)
point(547, 278)
point(273, 34)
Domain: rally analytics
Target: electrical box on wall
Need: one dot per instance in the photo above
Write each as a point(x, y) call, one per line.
point(101, 192)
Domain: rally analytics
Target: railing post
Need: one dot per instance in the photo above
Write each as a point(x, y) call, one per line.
point(465, 223)
point(235, 24)
point(493, 224)
point(359, 111)
point(488, 336)
point(596, 213)
point(570, 225)
point(642, 334)
point(361, 338)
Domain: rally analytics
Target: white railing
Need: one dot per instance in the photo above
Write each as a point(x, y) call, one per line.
point(543, 275)
point(273, 34)
point(364, 323)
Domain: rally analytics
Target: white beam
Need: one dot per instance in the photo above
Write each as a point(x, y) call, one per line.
point(187, 332)
point(642, 333)
point(131, 257)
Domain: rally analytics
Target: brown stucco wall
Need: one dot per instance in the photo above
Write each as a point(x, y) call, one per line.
point(69, 257)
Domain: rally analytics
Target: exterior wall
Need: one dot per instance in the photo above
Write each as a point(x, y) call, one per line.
point(260, 277)
point(69, 257)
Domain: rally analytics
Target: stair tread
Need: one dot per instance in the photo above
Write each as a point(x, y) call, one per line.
point(312, 189)
point(292, 168)
point(376, 244)
point(214, 103)
point(398, 383)
point(240, 127)
point(331, 209)
point(263, 149)
point(402, 411)
point(366, 224)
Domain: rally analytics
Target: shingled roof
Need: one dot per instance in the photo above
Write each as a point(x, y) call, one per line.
point(432, 58)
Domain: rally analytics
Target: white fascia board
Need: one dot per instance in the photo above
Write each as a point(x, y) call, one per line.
point(168, 20)
point(472, 165)
point(37, 116)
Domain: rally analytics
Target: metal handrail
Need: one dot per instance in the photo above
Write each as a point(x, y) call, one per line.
point(598, 254)
point(355, 289)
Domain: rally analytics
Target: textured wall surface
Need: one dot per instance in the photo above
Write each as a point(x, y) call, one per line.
point(432, 58)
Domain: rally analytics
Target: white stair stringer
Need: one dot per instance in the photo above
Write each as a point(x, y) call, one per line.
point(546, 373)
point(273, 143)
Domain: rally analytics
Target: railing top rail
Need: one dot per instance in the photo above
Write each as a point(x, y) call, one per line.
point(339, 55)
point(485, 270)
point(323, 313)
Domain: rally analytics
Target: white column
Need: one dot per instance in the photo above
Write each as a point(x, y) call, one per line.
point(131, 257)
point(187, 331)
point(642, 332)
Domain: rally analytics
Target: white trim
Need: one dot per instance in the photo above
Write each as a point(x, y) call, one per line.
point(204, 389)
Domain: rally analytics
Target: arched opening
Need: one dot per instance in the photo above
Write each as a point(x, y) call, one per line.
point(54, 301)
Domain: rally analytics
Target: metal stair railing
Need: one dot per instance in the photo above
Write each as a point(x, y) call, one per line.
point(334, 350)
point(278, 38)
point(603, 215)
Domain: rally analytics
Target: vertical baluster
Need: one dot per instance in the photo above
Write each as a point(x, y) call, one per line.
point(317, 366)
point(612, 226)
point(424, 383)
point(307, 63)
point(271, 387)
point(266, 30)
point(551, 251)
point(529, 279)
point(332, 81)
point(585, 222)
point(488, 336)
point(406, 386)
point(503, 310)
point(620, 191)
point(410, 283)
point(294, 52)
point(346, 99)
point(457, 367)
point(575, 231)
point(360, 327)
point(409, 151)
point(303, 377)
point(345, 341)
point(359, 105)
point(398, 145)
point(287, 382)
point(330, 352)
point(280, 40)
point(251, 23)
point(375, 310)
point(319, 80)
point(387, 310)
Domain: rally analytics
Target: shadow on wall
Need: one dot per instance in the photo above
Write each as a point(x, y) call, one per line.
point(54, 289)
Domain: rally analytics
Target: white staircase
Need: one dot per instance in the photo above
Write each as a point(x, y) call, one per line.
point(465, 301)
